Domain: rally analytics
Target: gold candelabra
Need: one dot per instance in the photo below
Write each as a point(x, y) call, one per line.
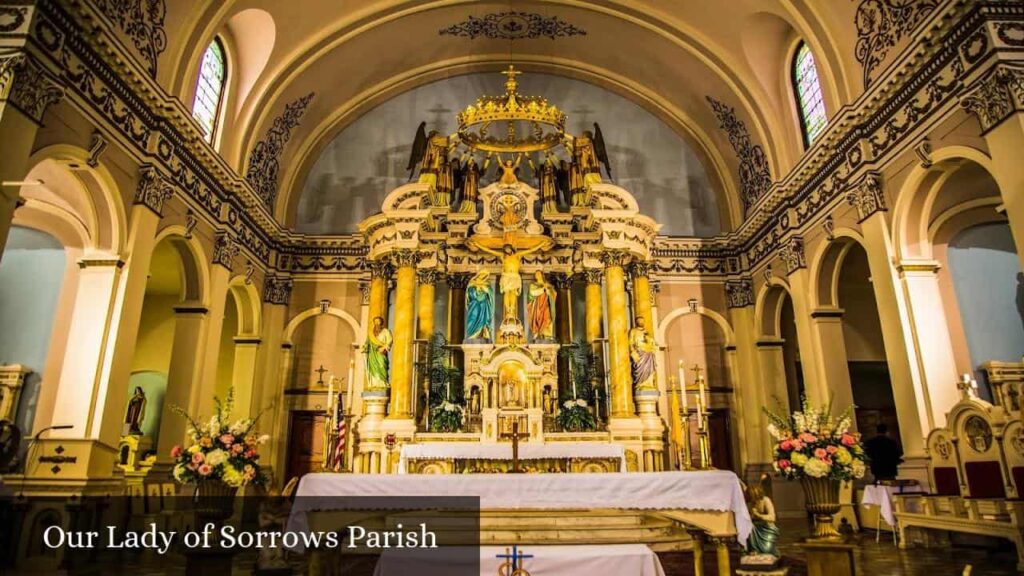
point(703, 437)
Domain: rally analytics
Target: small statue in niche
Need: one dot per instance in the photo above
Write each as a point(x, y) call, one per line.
point(762, 544)
point(474, 400)
point(549, 401)
point(136, 412)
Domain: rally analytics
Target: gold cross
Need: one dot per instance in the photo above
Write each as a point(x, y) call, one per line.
point(515, 436)
point(696, 372)
point(320, 371)
point(511, 84)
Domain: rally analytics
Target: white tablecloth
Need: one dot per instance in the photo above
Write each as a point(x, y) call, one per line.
point(503, 451)
point(620, 560)
point(717, 490)
point(881, 496)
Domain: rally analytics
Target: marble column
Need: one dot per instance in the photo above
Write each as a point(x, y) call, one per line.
point(792, 254)
point(593, 303)
point(618, 334)
point(404, 332)
point(225, 248)
point(457, 284)
point(563, 323)
point(833, 366)
point(751, 394)
point(380, 272)
point(427, 278)
point(639, 274)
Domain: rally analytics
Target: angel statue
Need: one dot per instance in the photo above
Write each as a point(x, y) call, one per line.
point(641, 355)
point(479, 307)
point(762, 543)
point(508, 171)
point(429, 152)
point(378, 344)
point(540, 308)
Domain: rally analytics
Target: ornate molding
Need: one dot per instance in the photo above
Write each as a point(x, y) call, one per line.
point(429, 276)
point(995, 96)
point(364, 293)
point(867, 195)
point(405, 258)
point(458, 281)
point(512, 26)
point(264, 167)
point(881, 24)
point(27, 86)
point(153, 190)
point(225, 248)
point(143, 22)
point(12, 18)
point(620, 258)
point(755, 176)
point(640, 268)
point(739, 293)
point(277, 290)
point(593, 275)
point(561, 280)
point(792, 253)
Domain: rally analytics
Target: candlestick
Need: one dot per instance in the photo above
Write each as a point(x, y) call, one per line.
point(682, 390)
point(330, 394)
point(348, 385)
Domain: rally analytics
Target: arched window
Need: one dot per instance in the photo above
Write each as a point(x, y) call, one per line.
point(210, 89)
point(807, 88)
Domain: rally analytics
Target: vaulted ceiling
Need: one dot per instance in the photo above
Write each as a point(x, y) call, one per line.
point(667, 56)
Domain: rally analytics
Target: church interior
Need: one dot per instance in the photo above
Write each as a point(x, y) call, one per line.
point(567, 257)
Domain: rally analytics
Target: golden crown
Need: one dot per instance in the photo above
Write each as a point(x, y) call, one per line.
point(531, 124)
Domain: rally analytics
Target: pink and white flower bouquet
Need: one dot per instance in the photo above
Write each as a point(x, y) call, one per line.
point(219, 449)
point(813, 443)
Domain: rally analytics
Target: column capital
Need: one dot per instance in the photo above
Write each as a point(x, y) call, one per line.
point(619, 258)
point(26, 85)
point(277, 290)
point(640, 268)
point(364, 292)
point(995, 96)
point(152, 189)
point(458, 281)
point(593, 275)
point(739, 293)
point(792, 253)
point(429, 276)
point(379, 268)
point(561, 280)
point(867, 196)
point(225, 248)
point(405, 258)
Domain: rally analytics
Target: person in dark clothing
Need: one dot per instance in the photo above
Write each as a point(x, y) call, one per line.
point(884, 453)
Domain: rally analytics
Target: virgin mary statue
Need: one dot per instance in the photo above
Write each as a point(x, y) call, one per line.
point(479, 307)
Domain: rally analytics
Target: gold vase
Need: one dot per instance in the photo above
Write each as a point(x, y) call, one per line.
point(214, 500)
point(822, 501)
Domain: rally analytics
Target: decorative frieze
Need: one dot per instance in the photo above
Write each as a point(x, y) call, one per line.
point(739, 293)
point(27, 86)
point(867, 195)
point(792, 253)
point(143, 22)
point(513, 26)
point(153, 189)
point(881, 24)
point(755, 177)
point(225, 248)
point(277, 290)
point(264, 166)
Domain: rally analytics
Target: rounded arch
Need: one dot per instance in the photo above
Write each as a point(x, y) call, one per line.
point(827, 264)
point(768, 309)
point(917, 201)
point(86, 198)
point(195, 272)
point(730, 337)
point(293, 324)
point(247, 302)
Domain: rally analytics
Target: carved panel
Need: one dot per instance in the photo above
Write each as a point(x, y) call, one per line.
point(264, 167)
point(225, 248)
point(739, 293)
point(867, 195)
point(152, 189)
point(27, 86)
point(513, 26)
point(881, 24)
point(755, 177)
point(792, 253)
point(143, 22)
point(277, 290)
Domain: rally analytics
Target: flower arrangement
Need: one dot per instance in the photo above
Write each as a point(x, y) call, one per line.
point(219, 450)
point(575, 416)
point(446, 417)
point(812, 443)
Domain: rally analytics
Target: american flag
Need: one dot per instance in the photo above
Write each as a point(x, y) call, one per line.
point(338, 458)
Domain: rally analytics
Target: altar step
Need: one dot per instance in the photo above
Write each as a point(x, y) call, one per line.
point(567, 527)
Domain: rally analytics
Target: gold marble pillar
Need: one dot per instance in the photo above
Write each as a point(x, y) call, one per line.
point(563, 322)
point(427, 278)
point(379, 273)
point(593, 303)
point(404, 331)
point(457, 284)
point(618, 333)
point(639, 272)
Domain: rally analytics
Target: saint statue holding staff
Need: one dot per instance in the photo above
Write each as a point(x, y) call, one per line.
point(641, 355)
point(540, 308)
point(378, 344)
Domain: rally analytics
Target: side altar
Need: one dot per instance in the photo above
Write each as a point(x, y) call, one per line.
point(498, 309)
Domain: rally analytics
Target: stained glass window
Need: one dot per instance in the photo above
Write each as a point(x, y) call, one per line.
point(210, 89)
point(807, 86)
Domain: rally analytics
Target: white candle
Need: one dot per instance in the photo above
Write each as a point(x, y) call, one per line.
point(682, 389)
point(702, 400)
point(351, 378)
point(330, 393)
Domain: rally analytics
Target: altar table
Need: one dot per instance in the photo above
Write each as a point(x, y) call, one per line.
point(503, 451)
point(619, 559)
point(711, 499)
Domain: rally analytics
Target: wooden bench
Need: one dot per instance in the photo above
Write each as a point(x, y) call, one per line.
point(999, 518)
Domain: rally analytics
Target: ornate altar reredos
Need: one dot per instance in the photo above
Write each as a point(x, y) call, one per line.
point(452, 224)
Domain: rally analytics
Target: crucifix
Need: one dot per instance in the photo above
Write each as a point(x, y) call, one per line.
point(320, 371)
point(512, 563)
point(515, 436)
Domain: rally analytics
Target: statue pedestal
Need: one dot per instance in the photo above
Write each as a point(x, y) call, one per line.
point(829, 558)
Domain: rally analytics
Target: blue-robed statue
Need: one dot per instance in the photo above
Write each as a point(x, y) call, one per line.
point(479, 307)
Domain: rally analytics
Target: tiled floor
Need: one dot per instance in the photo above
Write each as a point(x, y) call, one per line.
point(875, 559)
